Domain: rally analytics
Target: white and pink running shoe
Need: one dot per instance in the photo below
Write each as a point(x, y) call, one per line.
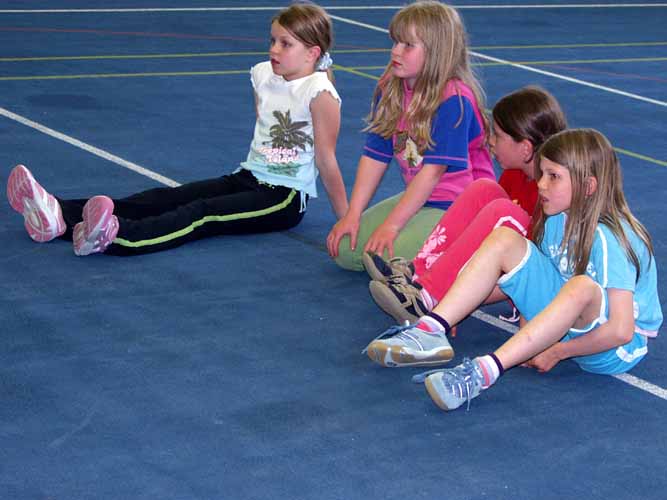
point(41, 211)
point(98, 228)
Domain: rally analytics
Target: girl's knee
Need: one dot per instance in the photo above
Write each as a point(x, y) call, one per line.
point(505, 238)
point(483, 191)
point(503, 212)
point(583, 288)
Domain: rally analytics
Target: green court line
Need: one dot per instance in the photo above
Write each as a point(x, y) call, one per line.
point(640, 156)
point(337, 51)
point(360, 69)
point(355, 71)
point(186, 55)
point(545, 63)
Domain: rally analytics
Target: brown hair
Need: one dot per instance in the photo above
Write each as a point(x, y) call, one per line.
point(440, 28)
point(587, 153)
point(530, 113)
point(310, 24)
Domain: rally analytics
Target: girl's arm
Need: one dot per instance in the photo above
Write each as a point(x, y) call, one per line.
point(617, 331)
point(325, 111)
point(416, 194)
point(369, 174)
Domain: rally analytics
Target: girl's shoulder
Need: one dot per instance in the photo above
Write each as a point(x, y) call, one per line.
point(317, 83)
point(261, 72)
point(611, 237)
point(456, 87)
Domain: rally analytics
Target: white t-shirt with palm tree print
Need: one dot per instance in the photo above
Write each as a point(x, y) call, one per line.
point(282, 152)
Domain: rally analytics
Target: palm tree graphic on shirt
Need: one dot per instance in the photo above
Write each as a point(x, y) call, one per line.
point(286, 140)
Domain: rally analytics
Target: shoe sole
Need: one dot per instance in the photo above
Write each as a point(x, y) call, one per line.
point(388, 302)
point(371, 270)
point(430, 388)
point(30, 199)
point(395, 357)
point(86, 243)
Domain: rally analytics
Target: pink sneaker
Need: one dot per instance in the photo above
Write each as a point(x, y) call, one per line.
point(98, 228)
point(41, 211)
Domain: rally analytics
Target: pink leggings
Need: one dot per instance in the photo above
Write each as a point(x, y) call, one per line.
point(483, 206)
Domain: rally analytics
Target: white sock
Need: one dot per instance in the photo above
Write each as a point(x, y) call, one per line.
point(490, 370)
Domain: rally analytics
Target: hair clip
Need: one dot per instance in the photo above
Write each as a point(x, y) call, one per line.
point(324, 63)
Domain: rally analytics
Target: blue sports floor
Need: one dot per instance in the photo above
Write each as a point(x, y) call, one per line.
point(231, 368)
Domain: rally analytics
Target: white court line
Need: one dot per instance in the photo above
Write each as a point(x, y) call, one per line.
point(524, 67)
point(90, 149)
point(331, 7)
point(487, 318)
point(573, 80)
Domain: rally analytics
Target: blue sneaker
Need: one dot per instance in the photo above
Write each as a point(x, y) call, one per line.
point(409, 346)
point(452, 387)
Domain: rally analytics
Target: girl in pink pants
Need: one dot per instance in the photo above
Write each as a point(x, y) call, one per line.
point(522, 121)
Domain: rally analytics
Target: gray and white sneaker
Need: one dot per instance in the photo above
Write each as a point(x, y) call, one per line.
point(450, 388)
point(409, 346)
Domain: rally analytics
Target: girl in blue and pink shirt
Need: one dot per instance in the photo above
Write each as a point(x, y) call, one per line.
point(425, 115)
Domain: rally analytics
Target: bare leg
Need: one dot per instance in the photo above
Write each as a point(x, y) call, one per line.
point(500, 252)
point(576, 305)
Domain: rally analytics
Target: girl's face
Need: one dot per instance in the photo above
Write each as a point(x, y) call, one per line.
point(407, 59)
point(554, 187)
point(510, 153)
point(290, 58)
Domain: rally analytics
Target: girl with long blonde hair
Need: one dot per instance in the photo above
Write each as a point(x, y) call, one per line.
point(426, 114)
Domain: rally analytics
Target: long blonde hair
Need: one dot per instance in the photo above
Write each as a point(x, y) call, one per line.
point(587, 153)
point(441, 30)
point(310, 24)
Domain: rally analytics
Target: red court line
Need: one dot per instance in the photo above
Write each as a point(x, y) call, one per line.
point(132, 33)
point(147, 34)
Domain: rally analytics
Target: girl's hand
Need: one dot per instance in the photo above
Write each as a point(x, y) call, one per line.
point(383, 237)
point(545, 360)
point(347, 225)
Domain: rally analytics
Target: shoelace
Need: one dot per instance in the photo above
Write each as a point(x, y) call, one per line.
point(398, 280)
point(395, 330)
point(460, 378)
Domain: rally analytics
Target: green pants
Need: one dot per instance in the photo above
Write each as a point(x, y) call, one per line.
point(407, 244)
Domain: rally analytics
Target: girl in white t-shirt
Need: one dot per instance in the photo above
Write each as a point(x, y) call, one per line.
point(298, 120)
